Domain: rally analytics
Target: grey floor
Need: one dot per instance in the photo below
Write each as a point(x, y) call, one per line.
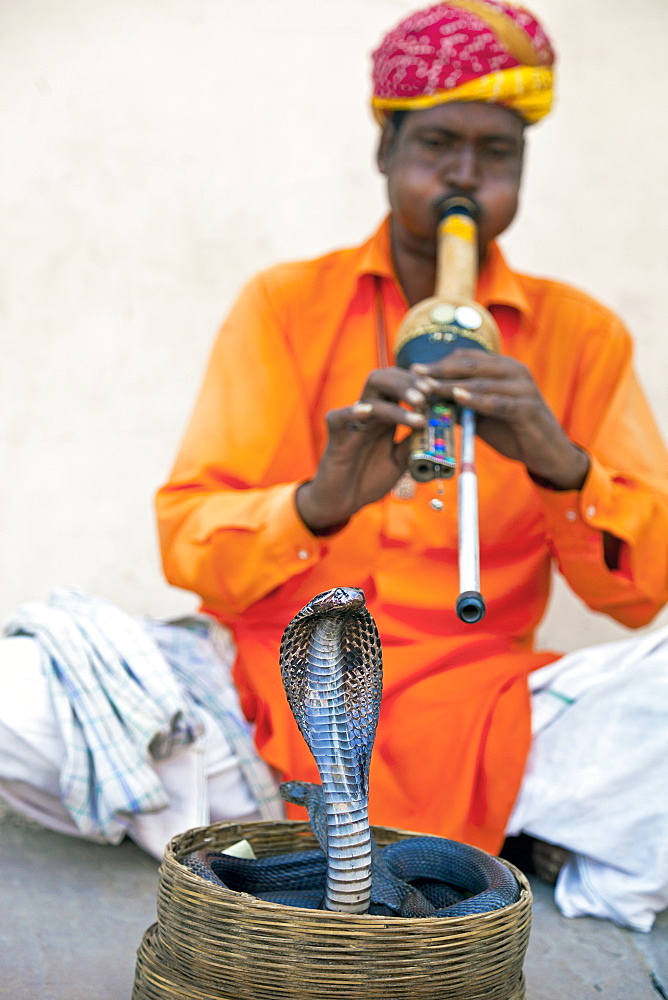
point(72, 915)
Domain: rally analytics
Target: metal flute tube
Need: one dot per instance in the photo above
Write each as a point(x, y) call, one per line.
point(470, 605)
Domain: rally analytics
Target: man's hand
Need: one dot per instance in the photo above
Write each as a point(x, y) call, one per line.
point(362, 461)
point(512, 416)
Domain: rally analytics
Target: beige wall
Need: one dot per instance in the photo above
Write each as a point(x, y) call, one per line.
point(155, 153)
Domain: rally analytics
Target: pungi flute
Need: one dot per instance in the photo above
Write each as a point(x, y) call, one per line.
point(431, 330)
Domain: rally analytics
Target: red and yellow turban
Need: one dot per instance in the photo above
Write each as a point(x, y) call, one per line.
point(465, 50)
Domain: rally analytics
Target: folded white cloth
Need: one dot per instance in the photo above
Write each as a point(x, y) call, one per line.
point(596, 781)
point(115, 697)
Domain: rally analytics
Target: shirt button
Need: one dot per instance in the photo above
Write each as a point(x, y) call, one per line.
point(591, 510)
point(570, 515)
point(303, 553)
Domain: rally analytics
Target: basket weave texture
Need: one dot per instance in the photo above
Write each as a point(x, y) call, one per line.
point(214, 944)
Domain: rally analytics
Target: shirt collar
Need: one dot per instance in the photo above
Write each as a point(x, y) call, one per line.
point(376, 256)
point(498, 285)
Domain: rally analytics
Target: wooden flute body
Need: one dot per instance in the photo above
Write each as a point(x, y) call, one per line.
point(435, 327)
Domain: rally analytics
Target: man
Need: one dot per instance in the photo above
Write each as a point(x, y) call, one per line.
point(291, 479)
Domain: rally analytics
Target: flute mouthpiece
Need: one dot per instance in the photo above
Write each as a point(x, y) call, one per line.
point(460, 204)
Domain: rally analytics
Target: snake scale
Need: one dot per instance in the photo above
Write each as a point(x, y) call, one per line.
point(331, 666)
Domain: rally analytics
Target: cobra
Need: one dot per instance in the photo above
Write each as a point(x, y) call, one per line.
point(331, 666)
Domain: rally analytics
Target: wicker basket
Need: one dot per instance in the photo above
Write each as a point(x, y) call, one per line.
point(214, 944)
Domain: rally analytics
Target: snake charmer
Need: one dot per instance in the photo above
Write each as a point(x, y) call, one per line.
point(290, 477)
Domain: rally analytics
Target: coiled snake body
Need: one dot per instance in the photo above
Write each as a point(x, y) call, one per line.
point(331, 666)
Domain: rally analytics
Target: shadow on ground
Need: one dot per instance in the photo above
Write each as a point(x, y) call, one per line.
point(72, 915)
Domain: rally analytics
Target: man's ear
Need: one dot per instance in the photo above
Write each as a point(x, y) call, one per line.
point(387, 137)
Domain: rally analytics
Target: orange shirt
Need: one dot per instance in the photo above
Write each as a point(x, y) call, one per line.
point(454, 729)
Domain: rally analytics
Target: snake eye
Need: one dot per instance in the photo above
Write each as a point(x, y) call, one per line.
point(349, 597)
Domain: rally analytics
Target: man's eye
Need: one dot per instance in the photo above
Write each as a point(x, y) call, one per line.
point(431, 141)
point(498, 152)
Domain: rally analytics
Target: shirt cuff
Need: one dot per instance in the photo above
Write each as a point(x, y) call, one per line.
point(592, 507)
point(286, 534)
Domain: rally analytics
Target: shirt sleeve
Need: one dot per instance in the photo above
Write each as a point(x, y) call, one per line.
point(228, 525)
point(625, 494)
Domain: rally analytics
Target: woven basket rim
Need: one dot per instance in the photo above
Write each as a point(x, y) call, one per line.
point(210, 836)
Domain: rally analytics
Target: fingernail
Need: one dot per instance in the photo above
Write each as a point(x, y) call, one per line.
point(414, 397)
point(461, 395)
point(426, 385)
point(360, 408)
point(415, 418)
point(420, 369)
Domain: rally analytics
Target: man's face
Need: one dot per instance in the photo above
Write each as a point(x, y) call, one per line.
point(467, 148)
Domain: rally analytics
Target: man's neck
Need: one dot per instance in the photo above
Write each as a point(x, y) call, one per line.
point(415, 266)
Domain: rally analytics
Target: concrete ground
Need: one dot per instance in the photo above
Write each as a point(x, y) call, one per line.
point(72, 915)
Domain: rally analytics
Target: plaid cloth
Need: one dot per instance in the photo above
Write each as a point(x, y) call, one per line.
point(200, 653)
point(125, 692)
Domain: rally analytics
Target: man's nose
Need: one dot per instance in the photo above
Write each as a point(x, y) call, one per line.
point(461, 169)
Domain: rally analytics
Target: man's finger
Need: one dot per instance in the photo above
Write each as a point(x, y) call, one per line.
point(474, 363)
point(367, 415)
point(399, 384)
